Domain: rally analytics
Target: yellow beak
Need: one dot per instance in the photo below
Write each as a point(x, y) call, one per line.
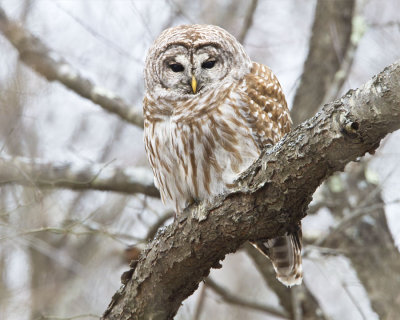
point(194, 84)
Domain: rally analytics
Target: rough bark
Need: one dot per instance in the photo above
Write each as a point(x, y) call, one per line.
point(272, 197)
point(330, 39)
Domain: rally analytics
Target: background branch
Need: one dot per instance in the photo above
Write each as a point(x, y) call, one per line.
point(363, 235)
point(36, 55)
point(38, 173)
point(248, 21)
point(329, 43)
point(237, 300)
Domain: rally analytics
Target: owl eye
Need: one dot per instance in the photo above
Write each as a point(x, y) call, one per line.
point(176, 67)
point(208, 64)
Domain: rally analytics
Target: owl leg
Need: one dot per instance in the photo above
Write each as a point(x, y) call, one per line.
point(285, 255)
point(184, 213)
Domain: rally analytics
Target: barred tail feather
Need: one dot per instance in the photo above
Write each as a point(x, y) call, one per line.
point(285, 255)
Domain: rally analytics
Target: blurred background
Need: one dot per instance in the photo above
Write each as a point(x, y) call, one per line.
point(76, 194)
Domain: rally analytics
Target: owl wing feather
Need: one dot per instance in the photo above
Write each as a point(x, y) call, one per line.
point(267, 105)
point(285, 255)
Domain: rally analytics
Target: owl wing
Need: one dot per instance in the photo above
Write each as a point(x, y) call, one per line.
point(267, 105)
point(269, 119)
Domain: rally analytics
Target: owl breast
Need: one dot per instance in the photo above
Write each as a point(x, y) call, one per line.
point(198, 149)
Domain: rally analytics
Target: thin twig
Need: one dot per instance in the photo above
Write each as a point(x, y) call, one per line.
point(200, 303)
point(354, 300)
point(233, 299)
point(160, 222)
point(348, 222)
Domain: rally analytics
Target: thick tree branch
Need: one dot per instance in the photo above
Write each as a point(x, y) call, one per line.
point(35, 54)
point(41, 174)
point(273, 196)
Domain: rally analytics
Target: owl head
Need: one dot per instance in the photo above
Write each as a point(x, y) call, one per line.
point(191, 60)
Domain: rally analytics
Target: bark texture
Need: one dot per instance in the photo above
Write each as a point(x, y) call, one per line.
point(272, 197)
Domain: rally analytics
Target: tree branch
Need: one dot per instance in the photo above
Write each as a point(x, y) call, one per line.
point(367, 242)
point(357, 32)
point(272, 197)
point(237, 300)
point(329, 42)
point(36, 55)
point(42, 174)
point(248, 21)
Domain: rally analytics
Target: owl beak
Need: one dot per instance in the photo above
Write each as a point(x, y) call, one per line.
point(194, 84)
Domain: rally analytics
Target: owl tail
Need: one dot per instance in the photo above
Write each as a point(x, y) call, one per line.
point(285, 254)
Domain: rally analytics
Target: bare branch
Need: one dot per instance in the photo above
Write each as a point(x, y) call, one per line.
point(366, 241)
point(74, 176)
point(236, 300)
point(358, 29)
point(200, 303)
point(158, 224)
point(248, 21)
point(274, 195)
point(296, 303)
point(348, 222)
point(35, 54)
point(328, 44)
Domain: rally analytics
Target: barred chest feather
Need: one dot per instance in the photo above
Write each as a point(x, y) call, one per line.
point(199, 148)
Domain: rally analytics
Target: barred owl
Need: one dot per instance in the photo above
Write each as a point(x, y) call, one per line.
point(208, 111)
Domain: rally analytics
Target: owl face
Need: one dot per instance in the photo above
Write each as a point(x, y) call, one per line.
point(188, 71)
point(188, 61)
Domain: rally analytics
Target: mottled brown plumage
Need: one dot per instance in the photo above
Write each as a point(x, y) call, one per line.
point(209, 110)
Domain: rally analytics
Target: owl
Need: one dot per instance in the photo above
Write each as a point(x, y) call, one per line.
point(208, 112)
